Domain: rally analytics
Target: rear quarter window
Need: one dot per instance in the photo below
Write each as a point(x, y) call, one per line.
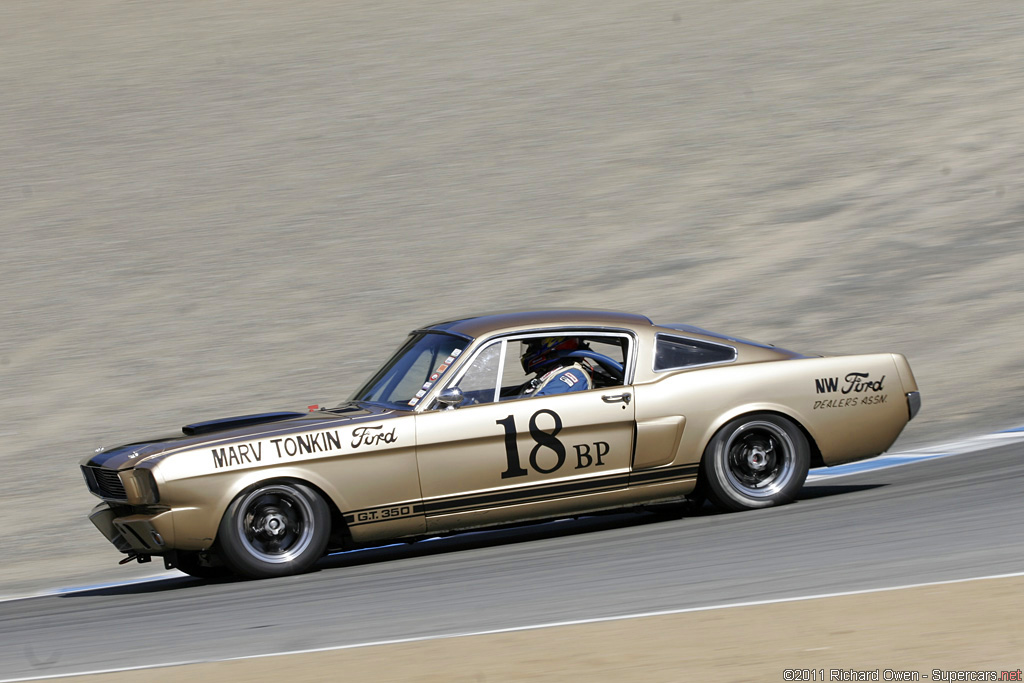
point(673, 353)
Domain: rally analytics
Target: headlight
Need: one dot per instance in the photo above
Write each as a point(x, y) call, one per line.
point(140, 485)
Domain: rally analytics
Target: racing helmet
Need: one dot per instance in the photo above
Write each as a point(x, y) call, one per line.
point(539, 353)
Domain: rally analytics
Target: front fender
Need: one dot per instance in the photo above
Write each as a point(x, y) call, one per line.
point(197, 521)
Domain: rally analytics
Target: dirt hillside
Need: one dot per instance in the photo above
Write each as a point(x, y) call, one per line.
point(213, 209)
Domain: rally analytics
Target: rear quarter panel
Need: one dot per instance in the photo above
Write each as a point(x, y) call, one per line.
point(852, 407)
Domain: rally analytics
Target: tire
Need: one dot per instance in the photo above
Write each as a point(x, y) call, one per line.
point(755, 461)
point(274, 529)
point(189, 562)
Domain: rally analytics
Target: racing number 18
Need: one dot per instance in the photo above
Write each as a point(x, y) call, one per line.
point(544, 439)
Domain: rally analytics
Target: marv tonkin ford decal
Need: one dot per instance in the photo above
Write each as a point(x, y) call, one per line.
point(300, 444)
point(855, 382)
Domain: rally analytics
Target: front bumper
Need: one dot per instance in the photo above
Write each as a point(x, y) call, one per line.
point(139, 533)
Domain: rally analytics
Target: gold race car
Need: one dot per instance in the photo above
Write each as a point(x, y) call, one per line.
point(500, 419)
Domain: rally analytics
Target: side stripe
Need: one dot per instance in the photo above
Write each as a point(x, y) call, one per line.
point(528, 494)
point(500, 499)
point(664, 474)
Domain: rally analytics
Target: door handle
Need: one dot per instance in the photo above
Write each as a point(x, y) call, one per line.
point(617, 398)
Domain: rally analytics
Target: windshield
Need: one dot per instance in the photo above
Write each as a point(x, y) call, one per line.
point(409, 371)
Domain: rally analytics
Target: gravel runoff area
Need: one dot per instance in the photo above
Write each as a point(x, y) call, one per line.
point(213, 209)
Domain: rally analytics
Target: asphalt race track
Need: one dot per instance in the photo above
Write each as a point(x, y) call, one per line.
point(936, 520)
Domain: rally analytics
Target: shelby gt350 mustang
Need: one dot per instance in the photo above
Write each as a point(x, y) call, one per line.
point(499, 419)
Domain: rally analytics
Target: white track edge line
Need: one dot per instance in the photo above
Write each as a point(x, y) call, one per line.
point(531, 627)
point(815, 476)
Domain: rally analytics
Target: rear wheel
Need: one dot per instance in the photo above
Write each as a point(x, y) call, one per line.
point(275, 530)
point(755, 461)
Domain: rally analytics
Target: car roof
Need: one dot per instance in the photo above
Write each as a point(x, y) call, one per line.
point(480, 325)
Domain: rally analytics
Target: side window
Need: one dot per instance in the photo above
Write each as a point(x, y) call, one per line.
point(513, 378)
point(482, 376)
point(599, 361)
point(671, 353)
point(497, 372)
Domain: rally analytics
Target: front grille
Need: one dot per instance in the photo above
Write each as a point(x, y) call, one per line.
point(104, 482)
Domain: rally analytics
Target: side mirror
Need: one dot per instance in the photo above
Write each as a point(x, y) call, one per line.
point(451, 398)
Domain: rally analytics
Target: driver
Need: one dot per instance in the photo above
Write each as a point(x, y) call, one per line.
point(557, 372)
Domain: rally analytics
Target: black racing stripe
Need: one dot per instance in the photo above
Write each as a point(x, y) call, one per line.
point(527, 494)
point(530, 494)
point(531, 489)
point(539, 494)
point(520, 501)
point(374, 521)
point(667, 474)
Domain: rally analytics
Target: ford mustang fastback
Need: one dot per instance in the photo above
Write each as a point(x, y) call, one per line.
point(495, 420)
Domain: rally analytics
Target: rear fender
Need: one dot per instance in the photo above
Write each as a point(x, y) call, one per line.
point(764, 407)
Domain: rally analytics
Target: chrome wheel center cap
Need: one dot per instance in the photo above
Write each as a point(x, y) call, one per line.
point(757, 459)
point(274, 524)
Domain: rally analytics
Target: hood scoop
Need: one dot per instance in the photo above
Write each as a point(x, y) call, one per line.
point(350, 410)
point(226, 423)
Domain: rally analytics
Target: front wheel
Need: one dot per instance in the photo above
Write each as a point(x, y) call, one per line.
point(275, 529)
point(755, 461)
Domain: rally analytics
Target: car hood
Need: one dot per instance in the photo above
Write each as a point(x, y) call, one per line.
point(241, 427)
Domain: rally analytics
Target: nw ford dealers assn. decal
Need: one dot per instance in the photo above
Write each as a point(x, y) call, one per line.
point(864, 390)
